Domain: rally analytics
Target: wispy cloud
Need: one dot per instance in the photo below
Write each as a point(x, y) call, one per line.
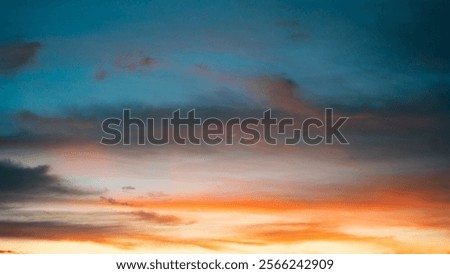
point(7, 252)
point(60, 231)
point(112, 201)
point(128, 188)
point(133, 62)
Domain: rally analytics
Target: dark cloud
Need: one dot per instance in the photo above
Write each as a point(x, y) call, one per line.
point(154, 217)
point(28, 121)
point(401, 127)
point(114, 235)
point(134, 62)
point(127, 188)
point(101, 74)
point(14, 56)
point(93, 226)
point(60, 231)
point(7, 252)
point(35, 130)
point(112, 201)
point(84, 125)
point(21, 183)
point(282, 93)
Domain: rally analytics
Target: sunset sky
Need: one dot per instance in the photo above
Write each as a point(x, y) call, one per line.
point(65, 66)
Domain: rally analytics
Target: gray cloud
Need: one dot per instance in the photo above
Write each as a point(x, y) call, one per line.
point(113, 201)
point(59, 231)
point(21, 183)
point(281, 93)
point(133, 62)
point(157, 195)
point(28, 121)
point(154, 217)
point(14, 56)
point(101, 74)
point(102, 234)
point(127, 188)
point(31, 129)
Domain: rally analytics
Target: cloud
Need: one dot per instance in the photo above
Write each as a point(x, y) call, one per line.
point(394, 129)
point(296, 33)
point(134, 62)
point(97, 226)
point(418, 190)
point(21, 183)
point(157, 195)
point(127, 188)
point(154, 217)
point(101, 234)
point(84, 124)
point(270, 91)
point(101, 74)
point(15, 56)
point(282, 93)
point(421, 191)
point(60, 231)
point(7, 252)
point(297, 233)
point(34, 122)
point(400, 129)
point(112, 201)
point(31, 129)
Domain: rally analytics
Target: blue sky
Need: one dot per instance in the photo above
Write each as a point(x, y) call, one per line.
point(352, 53)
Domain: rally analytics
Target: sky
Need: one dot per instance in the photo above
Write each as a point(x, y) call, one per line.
point(65, 66)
